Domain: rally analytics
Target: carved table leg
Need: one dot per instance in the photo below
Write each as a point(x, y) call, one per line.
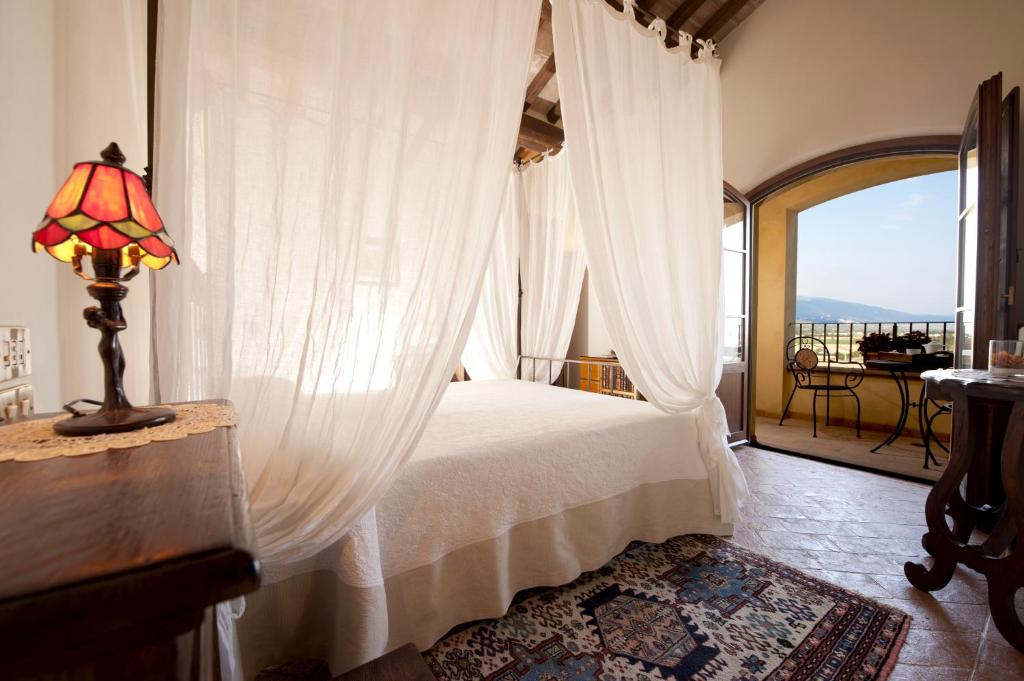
point(1005, 576)
point(939, 541)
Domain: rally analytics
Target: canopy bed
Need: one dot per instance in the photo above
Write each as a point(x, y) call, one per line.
point(514, 484)
point(339, 226)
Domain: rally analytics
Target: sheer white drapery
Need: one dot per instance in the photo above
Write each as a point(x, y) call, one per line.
point(333, 174)
point(552, 265)
point(491, 349)
point(644, 136)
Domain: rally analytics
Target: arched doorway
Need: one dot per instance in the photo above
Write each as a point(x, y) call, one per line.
point(777, 205)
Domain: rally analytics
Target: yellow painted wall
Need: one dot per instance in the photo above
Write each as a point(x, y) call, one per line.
point(775, 226)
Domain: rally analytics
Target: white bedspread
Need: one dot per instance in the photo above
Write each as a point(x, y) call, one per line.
point(502, 452)
point(514, 485)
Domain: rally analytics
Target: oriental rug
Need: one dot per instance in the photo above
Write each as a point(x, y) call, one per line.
point(693, 607)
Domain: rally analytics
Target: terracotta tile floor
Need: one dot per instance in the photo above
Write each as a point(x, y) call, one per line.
point(856, 529)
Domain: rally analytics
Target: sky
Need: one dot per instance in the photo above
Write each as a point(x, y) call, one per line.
point(893, 246)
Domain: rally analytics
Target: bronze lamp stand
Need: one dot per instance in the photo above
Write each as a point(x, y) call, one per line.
point(116, 413)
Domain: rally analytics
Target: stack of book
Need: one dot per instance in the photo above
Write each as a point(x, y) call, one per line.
point(615, 381)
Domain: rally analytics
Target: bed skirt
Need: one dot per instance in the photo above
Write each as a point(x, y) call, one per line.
point(317, 616)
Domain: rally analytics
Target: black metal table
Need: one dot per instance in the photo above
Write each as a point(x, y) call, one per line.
point(899, 371)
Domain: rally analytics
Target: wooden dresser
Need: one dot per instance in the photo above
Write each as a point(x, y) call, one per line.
point(107, 558)
point(604, 375)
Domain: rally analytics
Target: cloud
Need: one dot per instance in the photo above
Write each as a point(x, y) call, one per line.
point(907, 208)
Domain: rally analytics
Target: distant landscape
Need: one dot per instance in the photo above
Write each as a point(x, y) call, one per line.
point(830, 310)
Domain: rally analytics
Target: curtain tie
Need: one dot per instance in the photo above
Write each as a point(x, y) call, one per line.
point(629, 8)
point(728, 486)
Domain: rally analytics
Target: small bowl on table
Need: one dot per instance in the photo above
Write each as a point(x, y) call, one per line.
point(1006, 358)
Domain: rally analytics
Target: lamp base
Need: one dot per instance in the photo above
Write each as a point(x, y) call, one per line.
point(114, 421)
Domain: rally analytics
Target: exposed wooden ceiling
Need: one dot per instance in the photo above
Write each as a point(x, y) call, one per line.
point(541, 127)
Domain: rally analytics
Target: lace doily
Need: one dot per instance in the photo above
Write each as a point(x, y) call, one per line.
point(35, 440)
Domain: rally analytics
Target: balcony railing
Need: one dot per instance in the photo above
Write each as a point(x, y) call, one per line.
point(841, 337)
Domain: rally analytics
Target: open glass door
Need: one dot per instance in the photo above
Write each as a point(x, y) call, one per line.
point(979, 284)
point(1010, 272)
point(733, 389)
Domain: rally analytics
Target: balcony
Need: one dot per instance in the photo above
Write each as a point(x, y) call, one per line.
point(878, 393)
point(841, 337)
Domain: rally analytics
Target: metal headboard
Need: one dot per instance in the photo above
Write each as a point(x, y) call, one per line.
point(564, 377)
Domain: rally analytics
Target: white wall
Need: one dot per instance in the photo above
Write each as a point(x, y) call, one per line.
point(74, 79)
point(91, 113)
point(590, 335)
point(28, 291)
point(801, 78)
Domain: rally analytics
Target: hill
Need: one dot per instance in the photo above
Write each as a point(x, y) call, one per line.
point(829, 310)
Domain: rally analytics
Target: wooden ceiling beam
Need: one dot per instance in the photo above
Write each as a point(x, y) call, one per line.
point(539, 135)
point(682, 13)
point(547, 70)
point(679, 17)
point(719, 19)
point(555, 112)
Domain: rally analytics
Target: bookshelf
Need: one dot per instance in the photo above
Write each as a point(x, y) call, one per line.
point(604, 375)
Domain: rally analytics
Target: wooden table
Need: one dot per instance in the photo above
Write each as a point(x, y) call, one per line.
point(983, 484)
point(108, 557)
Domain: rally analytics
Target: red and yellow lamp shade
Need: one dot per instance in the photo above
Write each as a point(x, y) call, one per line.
point(103, 205)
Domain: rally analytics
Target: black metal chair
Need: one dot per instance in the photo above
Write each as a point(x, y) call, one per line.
point(809, 361)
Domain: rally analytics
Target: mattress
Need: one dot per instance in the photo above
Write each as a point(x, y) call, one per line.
point(513, 485)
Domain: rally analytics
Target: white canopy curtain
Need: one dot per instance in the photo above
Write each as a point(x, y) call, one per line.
point(492, 347)
point(643, 128)
point(332, 173)
point(552, 265)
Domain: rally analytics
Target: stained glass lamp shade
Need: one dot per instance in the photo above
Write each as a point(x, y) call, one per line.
point(103, 212)
point(103, 205)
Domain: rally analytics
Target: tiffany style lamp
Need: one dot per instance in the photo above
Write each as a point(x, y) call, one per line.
point(103, 211)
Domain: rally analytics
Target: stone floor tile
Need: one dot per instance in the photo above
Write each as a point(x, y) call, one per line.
point(969, 588)
point(879, 546)
point(869, 564)
point(776, 511)
point(808, 526)
point(765, 523)
point(940, 648)
point(934, 615)
point(837, 514)
point(801, 559)
point(784, 500)
point(913, 672)
point(889, 530)
point(999, 661)
point(791, 540)
point(862, 584)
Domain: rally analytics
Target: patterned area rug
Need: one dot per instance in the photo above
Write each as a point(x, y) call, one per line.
point(694, 607)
